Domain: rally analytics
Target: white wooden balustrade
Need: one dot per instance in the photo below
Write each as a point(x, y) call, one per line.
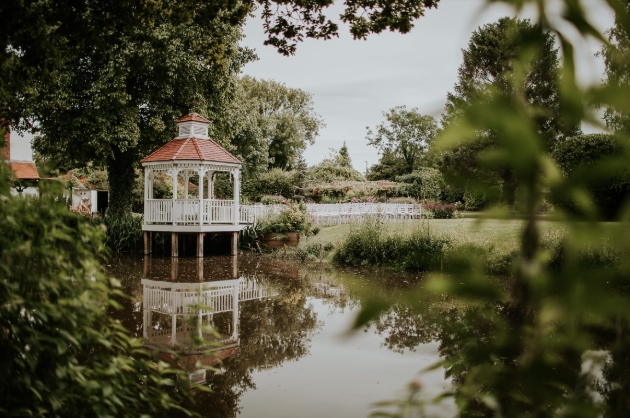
point(217, 211)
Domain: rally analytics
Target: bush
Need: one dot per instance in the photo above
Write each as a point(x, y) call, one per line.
point(62, 353)
point(292, 219)
point(273, 182)
point(331, 173)
point(368, 244)
point(440, 211)
point(474, 201)
point(426, 184)
point(273, 200)
point(408, 200)
point(590, 158)
point(124, 232)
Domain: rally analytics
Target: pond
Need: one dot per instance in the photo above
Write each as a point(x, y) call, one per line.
point(283, 343)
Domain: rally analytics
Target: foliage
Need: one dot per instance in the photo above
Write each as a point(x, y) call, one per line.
point(583, 155)
point(389, 167)
point(489, 66)
point(440, 211)
point(273, 182)
point(63, 355)
point(405, 135)
point(368, 244)
point(521, 345)
point(346, 190)
point(325, 173)
point(408, 200)
point(616, 57)
point(293, 218)
point(425, 183)
point(284, 118)
point(474, 200)
point(124, 232)
point(273, 200)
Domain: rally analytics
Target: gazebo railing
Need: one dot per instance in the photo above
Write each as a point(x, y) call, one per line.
point(186, 211)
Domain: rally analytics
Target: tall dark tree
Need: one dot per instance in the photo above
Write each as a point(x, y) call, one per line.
point(489, 66)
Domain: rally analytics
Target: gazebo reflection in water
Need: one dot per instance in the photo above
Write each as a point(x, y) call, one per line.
point(179, 314)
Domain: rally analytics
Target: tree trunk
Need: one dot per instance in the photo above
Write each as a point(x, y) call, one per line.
point(509, 189)
point(121, 181)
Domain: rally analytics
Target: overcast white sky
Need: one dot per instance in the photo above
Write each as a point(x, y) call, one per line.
point(353, 82)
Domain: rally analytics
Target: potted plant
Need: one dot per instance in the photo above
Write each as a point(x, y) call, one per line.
point(285, 228)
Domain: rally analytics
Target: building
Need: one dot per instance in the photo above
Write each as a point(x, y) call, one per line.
point(17, 152)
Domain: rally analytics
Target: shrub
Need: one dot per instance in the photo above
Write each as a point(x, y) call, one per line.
point(331, 173)
point(62, 353)
point(590, 159)
point(368, 244)
point(425, 183)
point(292, 219)
point(273, 182)
point(440, 211)
point(273, 200)
point(124, 232)
point(408, 200)
point(474, 201)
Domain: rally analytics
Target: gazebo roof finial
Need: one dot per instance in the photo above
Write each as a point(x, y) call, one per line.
point(193, 117)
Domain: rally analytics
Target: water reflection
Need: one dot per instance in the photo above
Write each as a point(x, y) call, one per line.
point(265, 314)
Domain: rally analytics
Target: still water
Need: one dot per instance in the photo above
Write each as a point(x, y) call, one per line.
point(283, 344)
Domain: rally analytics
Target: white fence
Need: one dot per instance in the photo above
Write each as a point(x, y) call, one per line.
point(216, 211)
point(188, 298)
point(186, 211)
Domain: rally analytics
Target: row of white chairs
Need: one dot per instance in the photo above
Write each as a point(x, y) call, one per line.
point(340, 213)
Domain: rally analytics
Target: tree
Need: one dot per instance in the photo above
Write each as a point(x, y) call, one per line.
point(590, 158)
point(617, 60)
point(489, 66)
point(105, 87)
point(283, 117)
point(405, 135)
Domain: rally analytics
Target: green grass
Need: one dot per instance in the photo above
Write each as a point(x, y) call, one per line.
point(496, 229)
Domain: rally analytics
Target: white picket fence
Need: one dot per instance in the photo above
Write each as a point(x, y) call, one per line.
point(340, 213)
point(215, 211)
point(186, 298)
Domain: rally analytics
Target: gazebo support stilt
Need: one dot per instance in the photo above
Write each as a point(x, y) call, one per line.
point(174, 244)
point(147, 242)
point(200, 244)
point(234, 244)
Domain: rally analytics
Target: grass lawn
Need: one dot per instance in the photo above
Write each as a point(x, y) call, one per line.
point(498, 230)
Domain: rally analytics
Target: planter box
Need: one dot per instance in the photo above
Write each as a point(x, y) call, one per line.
point(278, 239)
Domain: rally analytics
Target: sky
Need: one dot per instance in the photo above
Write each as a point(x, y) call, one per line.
point(353, 81)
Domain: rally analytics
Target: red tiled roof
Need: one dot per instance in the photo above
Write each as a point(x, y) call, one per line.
point(192, 149)
point(194, 117)
point(24, 171)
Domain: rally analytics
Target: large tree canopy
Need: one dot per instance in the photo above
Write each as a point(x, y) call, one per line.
point(489, 66)
point(402, 140)
point(104, 80)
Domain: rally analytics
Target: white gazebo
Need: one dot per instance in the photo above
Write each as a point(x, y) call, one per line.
point(191, 153)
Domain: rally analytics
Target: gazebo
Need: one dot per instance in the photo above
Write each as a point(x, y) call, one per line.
point(191, 153)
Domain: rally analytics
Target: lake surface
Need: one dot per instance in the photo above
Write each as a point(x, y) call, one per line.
point(284, 346)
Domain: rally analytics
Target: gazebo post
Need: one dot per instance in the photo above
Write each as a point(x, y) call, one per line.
point(237, 195)
point(174, 244)
point(200, 244)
